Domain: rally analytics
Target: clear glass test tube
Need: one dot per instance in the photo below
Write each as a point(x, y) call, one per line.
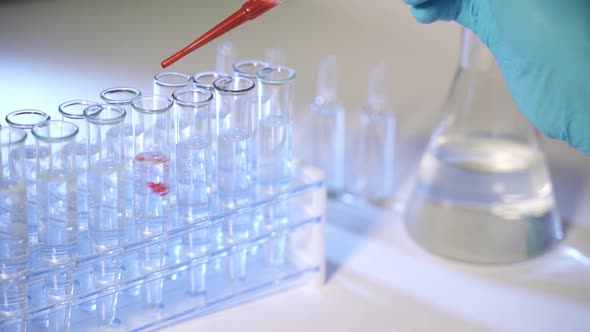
point(73, 111)
point(205, 80)
point(274, 136)
point(57, 215)
point(106, 200)
point(194, 177)
point(249, 69)
point(151, 169)
point(14, 239)
point(233, 168)
point(164, 85)
point(25, 120)
point(274, 140)
point(122, 97)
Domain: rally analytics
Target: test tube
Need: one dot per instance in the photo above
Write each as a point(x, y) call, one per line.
point(14, 237)
point(194, 177)
point(376, 141)
point(164, 85)
point(151, 169)
point(25, 120)
point(122, 97)
point(73, 111)
point(249, 69)
point(106, 199)
point(57, 207)
point(328, 121)
point(274, 139)
point(233, 167)
point(205, 80)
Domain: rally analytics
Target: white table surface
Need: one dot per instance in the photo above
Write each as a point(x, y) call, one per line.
point(378, 279)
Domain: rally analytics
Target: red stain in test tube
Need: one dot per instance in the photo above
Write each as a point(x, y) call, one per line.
point(159, 188)
point(249, 11)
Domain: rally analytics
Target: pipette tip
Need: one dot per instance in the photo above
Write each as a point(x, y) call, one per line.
point(249, 11)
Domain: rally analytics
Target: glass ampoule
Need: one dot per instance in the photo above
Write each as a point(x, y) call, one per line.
point(376, 142)
point(328, 125)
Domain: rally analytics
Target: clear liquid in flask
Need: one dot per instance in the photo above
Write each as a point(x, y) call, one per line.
point(486, 192)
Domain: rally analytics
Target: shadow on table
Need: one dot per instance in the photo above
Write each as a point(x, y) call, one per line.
point(360, 217)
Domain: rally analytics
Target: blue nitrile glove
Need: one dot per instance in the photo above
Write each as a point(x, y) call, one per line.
point(543, 49)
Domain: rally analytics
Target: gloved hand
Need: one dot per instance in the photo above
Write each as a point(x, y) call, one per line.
point(543, 50)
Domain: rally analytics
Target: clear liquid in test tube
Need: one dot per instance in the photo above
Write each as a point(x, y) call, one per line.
point(14, 239)
point(249, 69)
point(26, 119)
point(122, 97)
point(106, 201)
point(151, 191)
point(204, 80)
point(73, 111)
point(274, 150)
point(57, 213)
point(194, 179)
point(164, 85)
point(233, 167)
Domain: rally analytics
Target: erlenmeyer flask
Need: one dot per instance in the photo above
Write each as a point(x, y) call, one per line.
point(483, 193)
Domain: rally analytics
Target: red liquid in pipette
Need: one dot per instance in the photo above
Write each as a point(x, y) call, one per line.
point(249, 11)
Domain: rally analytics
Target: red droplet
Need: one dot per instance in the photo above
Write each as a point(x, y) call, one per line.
point(159, 188)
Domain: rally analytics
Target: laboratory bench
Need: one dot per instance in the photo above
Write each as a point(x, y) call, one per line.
point(377, 278)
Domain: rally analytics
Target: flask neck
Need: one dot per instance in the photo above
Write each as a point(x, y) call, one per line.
point(474, 53)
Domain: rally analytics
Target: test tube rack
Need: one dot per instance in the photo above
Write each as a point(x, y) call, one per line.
point(304, 265)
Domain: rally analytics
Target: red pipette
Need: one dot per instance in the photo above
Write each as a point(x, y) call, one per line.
point(249, 11)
